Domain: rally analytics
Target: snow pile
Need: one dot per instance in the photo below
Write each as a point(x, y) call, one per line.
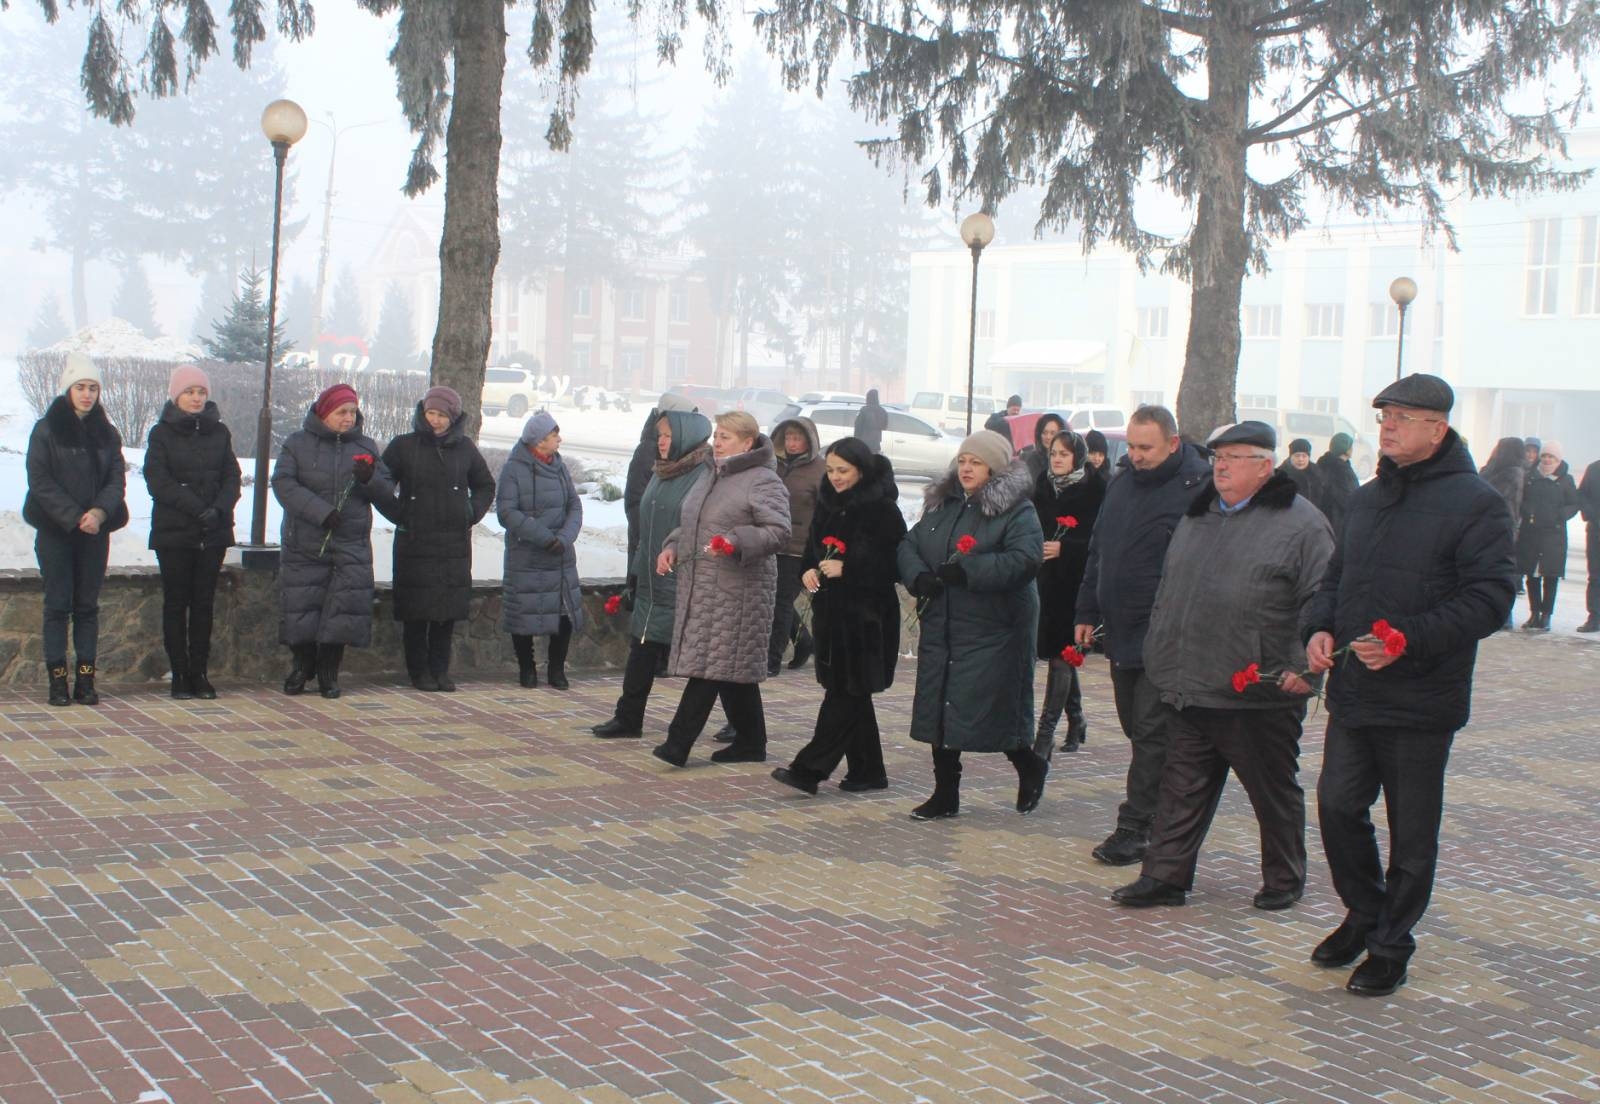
point(117, 339)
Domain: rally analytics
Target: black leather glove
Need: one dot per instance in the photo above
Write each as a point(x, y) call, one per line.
point(952, 574)
point(361, 468)
point(926, 585)
point(331, 522)
point(630, 593)
point(210, 517)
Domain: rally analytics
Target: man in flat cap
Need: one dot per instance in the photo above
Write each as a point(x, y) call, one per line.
point(1224, 653)
point(1425, 547)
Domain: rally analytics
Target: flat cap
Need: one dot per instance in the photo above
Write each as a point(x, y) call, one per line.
point(1420, 391)
point(1259, 434)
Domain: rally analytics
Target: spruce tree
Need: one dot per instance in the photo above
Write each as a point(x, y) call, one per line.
point(394, 346)
point(240, 336)
point(48, 326)
point(135, 303)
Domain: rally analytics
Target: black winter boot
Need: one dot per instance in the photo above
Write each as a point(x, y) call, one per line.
point(440, 638)
point(302, 670)
point(1031, 771)
point(199, 685)
point(329, 656)
point(83, 686)
point(1535, 605)
point(1548, 608)
point(527, 672)
point(946, 799)
point(414, 645)
point(59, 694)
point(181, 687)
point(556, 657)
point(804, 647)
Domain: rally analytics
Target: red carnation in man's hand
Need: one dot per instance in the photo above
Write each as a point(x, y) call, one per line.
point(1072, 656)
point(1395, 643)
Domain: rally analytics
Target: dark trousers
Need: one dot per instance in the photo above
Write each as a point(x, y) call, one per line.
point(786, 625)
point(1262, 746)
point(1408, 766)
point(847, 728)
point(741, 701)
point(188, 599)
point(645, 660)
point(72, 567)
point(1591, 551)
point(1143, 721)
point(427, 647)
point(947, 766)
point(1542, 594)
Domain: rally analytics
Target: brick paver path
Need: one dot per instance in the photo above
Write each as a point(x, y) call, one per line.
point(406, 897)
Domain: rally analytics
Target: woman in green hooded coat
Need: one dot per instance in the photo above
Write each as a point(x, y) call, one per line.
point(683, 458)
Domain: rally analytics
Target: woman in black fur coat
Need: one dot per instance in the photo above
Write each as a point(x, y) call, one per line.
point(855, 615)
point(1067, 489)
point(76, 499)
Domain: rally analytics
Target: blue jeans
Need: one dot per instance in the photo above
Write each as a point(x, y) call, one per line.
point(72, 566)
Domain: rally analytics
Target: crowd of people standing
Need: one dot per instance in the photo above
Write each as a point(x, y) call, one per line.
point(1225, 591)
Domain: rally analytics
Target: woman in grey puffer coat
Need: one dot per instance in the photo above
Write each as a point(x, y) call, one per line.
point(539, 508)
point(683, 459)
point(979, 619)
point(325, 479)
point(725, 551)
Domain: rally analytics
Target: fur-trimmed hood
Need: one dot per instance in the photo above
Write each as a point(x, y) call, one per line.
point(996, 497)
point(1276, 494)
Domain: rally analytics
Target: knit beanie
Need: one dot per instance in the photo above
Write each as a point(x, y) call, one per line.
point(185, 376)
point(333, 398)
point(989, 447)
point(444, 400)
point(1095, 441)
point(538, 427)
point(78, 367)
point(1300, 444)
point(1552, 448)
point(1340, 443)
point(673, 401)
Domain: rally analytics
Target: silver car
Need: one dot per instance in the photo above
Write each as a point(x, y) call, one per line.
point(913, 446)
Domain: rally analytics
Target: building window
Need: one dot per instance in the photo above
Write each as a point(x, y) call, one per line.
point(1146, 398)
point(1324, 320)
point(1152, 321)
point(579, 363)
point(1321, 404)
point(677, 365)
point(985, 324)
point(1544, 267)
point(1258, 402)
point(1589, 267)
point(580, 300)
point(678, 305)
point(1263, 320)
point(1383, 320)
point(1527, 419)
point(632, 363)
point(633, 305)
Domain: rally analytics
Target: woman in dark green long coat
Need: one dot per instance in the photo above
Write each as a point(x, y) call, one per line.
point(683, 458)
point(979, 619)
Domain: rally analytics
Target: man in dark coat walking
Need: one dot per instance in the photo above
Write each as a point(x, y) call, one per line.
point(1244, 563)
point(1426, 547)
point(997, 420)
point(1589, 503)
point(871, 421)
point(1159, 477)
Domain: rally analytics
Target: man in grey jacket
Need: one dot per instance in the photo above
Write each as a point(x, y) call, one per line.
point(1222, 652)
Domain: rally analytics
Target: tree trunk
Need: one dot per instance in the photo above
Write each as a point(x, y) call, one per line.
point(470, 246)
point(1219, 249)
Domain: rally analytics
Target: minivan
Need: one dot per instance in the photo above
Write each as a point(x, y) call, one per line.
point(950, 411)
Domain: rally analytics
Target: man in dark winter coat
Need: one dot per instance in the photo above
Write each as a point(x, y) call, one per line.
point(997, 420)
point(1244, 562)
point(1426, 547)
point(1157, 480)
point(1338, 478)
point(1589, 503)
point(871, 421)
point(1307, 480)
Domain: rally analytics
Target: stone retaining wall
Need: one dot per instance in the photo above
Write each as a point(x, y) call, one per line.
point(245, 640)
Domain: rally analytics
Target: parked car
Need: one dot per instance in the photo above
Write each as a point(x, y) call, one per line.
point(1085, 418)
point(949, 412)
point(510, 391)
point(1317, 427)
point(708, 400)
point(831, 396)
point(914, 446)
point(760, 402)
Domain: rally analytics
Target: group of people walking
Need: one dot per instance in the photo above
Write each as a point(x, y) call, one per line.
point(1224, 590)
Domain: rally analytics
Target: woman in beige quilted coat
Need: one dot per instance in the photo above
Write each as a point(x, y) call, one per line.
point(725, 554)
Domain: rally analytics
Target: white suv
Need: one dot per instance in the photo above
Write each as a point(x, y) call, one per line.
point(509, 390)
point(913, 446)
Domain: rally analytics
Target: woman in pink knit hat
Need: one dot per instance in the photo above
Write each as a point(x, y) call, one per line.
point(194, 484)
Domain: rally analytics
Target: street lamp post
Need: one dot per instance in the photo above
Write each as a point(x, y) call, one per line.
point(284, 124)
point(977, 230)
point(1402, 291)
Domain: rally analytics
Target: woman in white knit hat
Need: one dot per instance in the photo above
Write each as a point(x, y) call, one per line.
point(75, 500)
point(970, 560)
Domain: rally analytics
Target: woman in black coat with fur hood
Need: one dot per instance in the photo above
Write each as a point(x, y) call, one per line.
point(76, 499)
point(194, 483)
point(850, 569)
point(1067, 496)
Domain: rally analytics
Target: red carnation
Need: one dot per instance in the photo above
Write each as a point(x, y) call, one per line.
point(361, 458)
point(1068, 522)
point(1381, 629)
point(1395, 643)
point(613, 604)
point(834, 543)
point(720, 546)
point(1072, 656)
point(966, 544)
point(1247, 677)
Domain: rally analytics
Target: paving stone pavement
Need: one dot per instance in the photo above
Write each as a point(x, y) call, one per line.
point(401, 897)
